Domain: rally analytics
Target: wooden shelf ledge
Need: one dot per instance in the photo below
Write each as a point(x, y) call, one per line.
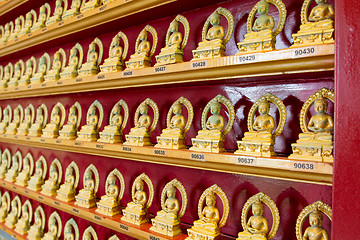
point(281, 62)
point(8, 5)
point(11, 232)
point(275, 167)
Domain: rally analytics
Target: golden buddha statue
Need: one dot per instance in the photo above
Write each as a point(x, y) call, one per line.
point(75, 61)
point(214, 39)
point(74, 9)
point(261, 35)
point(60, 8)
point(140, 135)
point(67, 190)
point(318, 27)
point(19, 69)
point(94, 58)
point(18, 117)
point(315, 231)
point(23, 225)
point(19, 24)
point(29, 73)
point(36, 230)
point(26, 172)
point(211, 137)
point(143, 49)
point(29, 117)
point(5, 206)
point(40, 122)
point(71, 230)
point(15, 168)
point(30, 19)
point(14, 215)
point(8, 29)
point(89, 234)
point(90, 4)
point(43, 68)
point(209, 223)
point(168, 219)
point(260, 139)
point(59, 63)
point(94, 118)
point(175, 43)
point(37, 180)
point(117, 54)
point(113, 237)
point(112, 133)
point(110, 203)
point(6, 119)
point(54, 227)
point(136, 211)
point(57, 120)
point(316, 141)
point(51, 185)
point(173, 136)
point(87, 196)
point(69, 130)
point(8, 73)
point(5, 163)
point(44, 15)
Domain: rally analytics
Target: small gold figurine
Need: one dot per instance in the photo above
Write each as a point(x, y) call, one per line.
point(316, 141)
point(140, 135)
point(9, 28)
point(209, 223)
point(55, 175)
point(143, 49)
point(23, 225)
point(110, 203)
point(90, 234)
point(260, 139)
point(94, 58)
point(6, 120)
point(167, 220)
point(36, 230)
point(42, 69)
point(173, 136)
point(18, 117)
point(8, 74)
point(30, 19)
point(69, 131)
point(90, 131)
point(60, 8)
point(113, 132)
point(261, 35)
point(74, 9)
point(16, 165)
point(26, 172)
point(315, 231)
point(19, 70)
point(90, 4)
point(40, 122)
point(256, 227)
point(214, 40)
point(71, 230)
point(59, 63)
point(37, 180)
point(5, 206)
point(114, 237)
point(318, 27)
point(75, 61)
point(87, 196)
point(211, 137)
point(19, 24)
point(29, 73)
point(5, 163)
point(28, 120)
point(136, 211)
point(44, 15)
point(67, 190)
point(117, 54)
point(54, 227)
point(175, 43)
point(15, 213)
point(57, 120)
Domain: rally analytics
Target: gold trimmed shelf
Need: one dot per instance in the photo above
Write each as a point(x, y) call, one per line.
point(8, 5)
point(318, 58)
point(275, 167)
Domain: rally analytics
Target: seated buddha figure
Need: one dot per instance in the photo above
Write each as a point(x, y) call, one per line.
point(24, 176)
point(321, 17)
point(19, 21)
point(23, 225)
point(52, 128)
point(87, 195)
point(215, 34)
point(13, 82)
point(13, 216)
point(116, 49)
point(5, 121)
point(37, 126)
point(214, 124)
point(143, 122)
point(52, 184)
point(67, 190)
point(25, 79)
point(109, 203)
point(264, 23)
point(5, 206)
point(8, 72)
point(53, 229)
point(44, 12)
point(142, 56)
point(115, 61)
point(54, 73)
point(13, 172)
point(12, 128)
point(175, 39)
point(71, 71)
point(23, 129)
point(74, 9)
point(28, 24)
point(7, 32)
point(36, 230)
point(4, 167)
point(58, 12)
point(177, 123)
point(39, 77)
point(257, 225)
point(69, 130)
point(112, 133)
point(37, 180)
point(315, 231)
point(90, 4)
point(169, 214)
point(139, 200)
point(91, 127)
point(90, 67)
point(208, 223)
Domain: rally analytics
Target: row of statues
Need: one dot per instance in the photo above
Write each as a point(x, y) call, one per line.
point(317, 28)
point(173, 204)
point(315, 142)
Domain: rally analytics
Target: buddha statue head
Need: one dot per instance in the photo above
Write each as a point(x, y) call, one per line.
point(177, 108)
point(315, 218)
point(210, 199)
point(320, 104)
point(215, 108)
point(170, 191)
point(264, 106)
point(174, 26)
point(144, 109)
point(257, 208)
point(143, 35)
point(263, 7)
point(215, 18)
point(139, 185)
